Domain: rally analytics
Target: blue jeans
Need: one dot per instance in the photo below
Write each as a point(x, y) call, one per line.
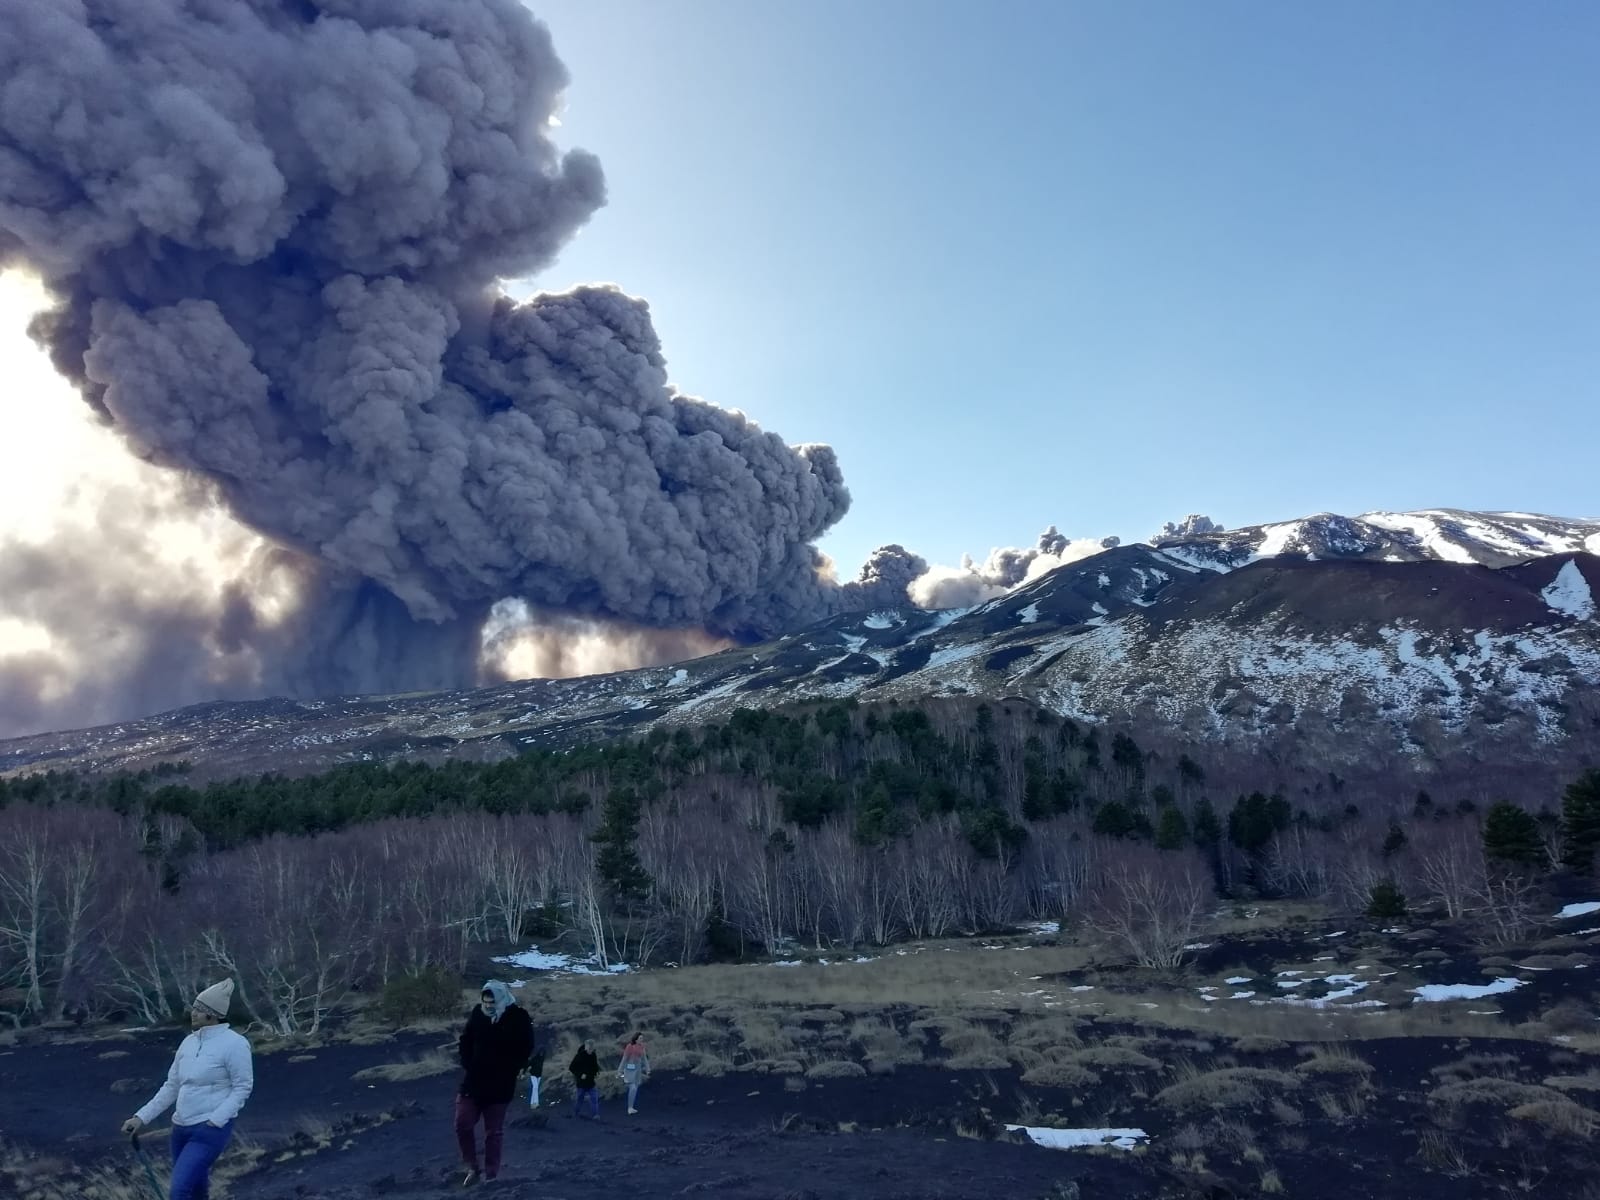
point(194, 1149)
point(592, 1095)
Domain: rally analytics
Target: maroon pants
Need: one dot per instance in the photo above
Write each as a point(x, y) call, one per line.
point(468, 1111)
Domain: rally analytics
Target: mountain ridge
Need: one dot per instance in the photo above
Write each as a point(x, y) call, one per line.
point(1340, 658)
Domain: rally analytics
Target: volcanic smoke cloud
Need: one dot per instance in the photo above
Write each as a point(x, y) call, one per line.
point(276, 228)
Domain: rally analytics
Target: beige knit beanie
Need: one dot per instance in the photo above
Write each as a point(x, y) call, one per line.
point(216, 999)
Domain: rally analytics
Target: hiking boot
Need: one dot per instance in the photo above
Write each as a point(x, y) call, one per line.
point(633, 1112)
point(470, 1178)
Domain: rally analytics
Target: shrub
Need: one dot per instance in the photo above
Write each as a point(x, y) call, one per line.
point(1502, 1094)
point(1232, 1087)
point(1338, 1064)
point(1256, 1043)
point(1115, 1058)
point(979, 1060)
point(836, 1070)
point(1565, 1117)
point(1060, 1075)
point(1386, 902)
point(1569, 1016)
point(431, 992)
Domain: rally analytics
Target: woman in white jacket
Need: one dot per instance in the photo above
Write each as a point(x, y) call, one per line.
point(210, 1080)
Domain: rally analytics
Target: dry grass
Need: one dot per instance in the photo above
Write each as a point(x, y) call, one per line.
point(1271, 1182)
point(1256, 1043)
point(1228, 1088)
point(436, 1063)
point(1563, 1117)
point(1589, 1082)
point(1439, 1152)
point(1336, 1062)
point(1115, 1059)
point(1060, 1075)
point(838, 1069)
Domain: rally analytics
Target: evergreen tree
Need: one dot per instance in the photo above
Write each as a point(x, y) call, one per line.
point(1190, 771)
point(1172, 829)
point(1511, 837)
point(1207, 825)
point(617, 862)
point(1386, 902)
point(1395, 841)
point(1126, 754)
point(1580, 822)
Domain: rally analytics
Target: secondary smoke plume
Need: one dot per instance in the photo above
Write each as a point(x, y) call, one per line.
point(1006, 567)
point(275, 230)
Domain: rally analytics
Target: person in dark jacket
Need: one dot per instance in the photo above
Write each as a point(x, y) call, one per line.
point(585, 1067)
point(495, 1047)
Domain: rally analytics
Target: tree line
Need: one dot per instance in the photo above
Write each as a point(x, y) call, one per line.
point(831, 826)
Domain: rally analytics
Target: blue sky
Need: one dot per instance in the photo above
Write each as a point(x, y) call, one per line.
point(1104, 264)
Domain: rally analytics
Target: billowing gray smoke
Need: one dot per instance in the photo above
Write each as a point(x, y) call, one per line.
point(973, 582)
point(276, 229)
point(1193, 525)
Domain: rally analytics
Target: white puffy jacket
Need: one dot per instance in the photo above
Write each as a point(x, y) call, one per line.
point(211, 1078)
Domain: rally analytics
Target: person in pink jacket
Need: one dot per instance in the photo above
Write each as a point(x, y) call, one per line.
point(211, 1078)
point(633, 1069)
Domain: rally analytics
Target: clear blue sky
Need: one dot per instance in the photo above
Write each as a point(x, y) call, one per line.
point(1104, 264)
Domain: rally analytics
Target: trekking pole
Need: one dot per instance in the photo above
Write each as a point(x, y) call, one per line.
point(149, 1169)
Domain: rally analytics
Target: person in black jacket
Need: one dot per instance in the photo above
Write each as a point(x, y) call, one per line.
point(585, 1067)
point(495, 1047)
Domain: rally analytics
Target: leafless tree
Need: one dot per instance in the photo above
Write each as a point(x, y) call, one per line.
point(1449, 864)
point(1150, 904)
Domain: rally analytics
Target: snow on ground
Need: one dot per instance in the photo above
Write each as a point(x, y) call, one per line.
point(1235, 980)
point(1425, 529)
point(1104, 580)
point(1072, 1139)
point(679, 678)
point(536, 959)
point(940, 620)
point(1466, 991)
point(1044, 927)
point(1277, 540)
point(1029, 615)
point(883, 620)
point(1569, 593)
point(853, 642)
point(1579, 910)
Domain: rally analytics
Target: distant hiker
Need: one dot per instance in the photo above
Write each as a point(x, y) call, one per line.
point(210, 1079)
point(495, 1046)
point(634, 1068)
point(585, 1067)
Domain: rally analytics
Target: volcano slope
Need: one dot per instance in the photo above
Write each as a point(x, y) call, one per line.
point(1291, 1055)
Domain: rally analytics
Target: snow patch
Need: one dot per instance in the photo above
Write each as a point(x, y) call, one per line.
point(1030, 614)
point(1073, 1139)
point(1579, 910)
point(883, 620)
point(536, 959)
point(1569, 593)
point(1466, 991)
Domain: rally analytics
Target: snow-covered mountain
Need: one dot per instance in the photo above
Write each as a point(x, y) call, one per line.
point(1446, 534)
point(1329, 640)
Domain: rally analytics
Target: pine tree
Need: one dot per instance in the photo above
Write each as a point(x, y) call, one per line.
point(1207, 825)
point(1386, 902)
point(1511, 837)
point(1395, 841)
point(617, 862)
point(1172, 830)
point(1580, 822)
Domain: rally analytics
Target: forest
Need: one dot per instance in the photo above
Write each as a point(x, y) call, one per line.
point(829, 827)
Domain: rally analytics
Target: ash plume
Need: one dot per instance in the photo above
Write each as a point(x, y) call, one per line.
point(275, 232)
point(974, 583)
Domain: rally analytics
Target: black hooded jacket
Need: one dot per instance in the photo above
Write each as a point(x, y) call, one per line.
point(585, 1066)
point(492, 1052)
